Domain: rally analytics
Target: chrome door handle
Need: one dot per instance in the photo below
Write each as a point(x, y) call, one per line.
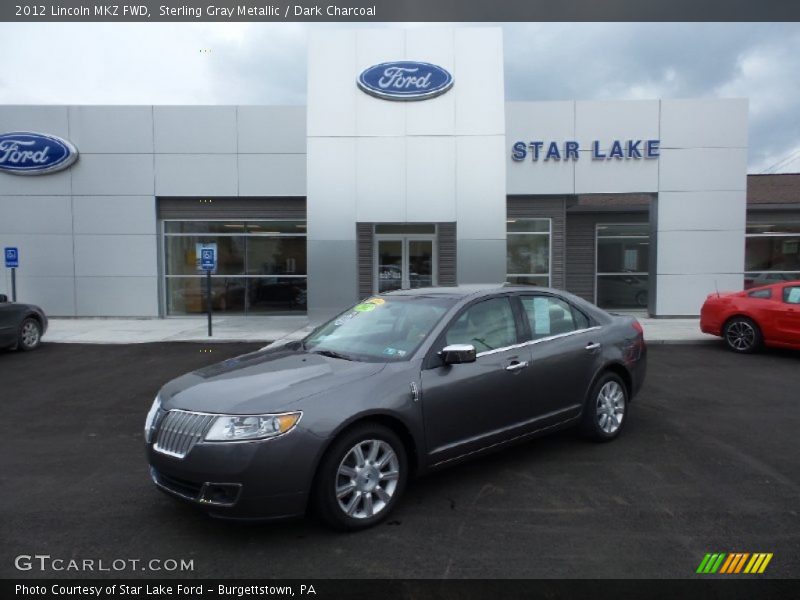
point(593, 346)
point(517, 366)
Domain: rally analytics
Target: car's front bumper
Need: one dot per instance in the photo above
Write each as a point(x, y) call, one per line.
point(265, 479)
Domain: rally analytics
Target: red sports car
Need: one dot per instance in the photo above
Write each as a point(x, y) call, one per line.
point(768, 315)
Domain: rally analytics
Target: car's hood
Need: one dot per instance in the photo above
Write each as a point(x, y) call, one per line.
point(261, 382)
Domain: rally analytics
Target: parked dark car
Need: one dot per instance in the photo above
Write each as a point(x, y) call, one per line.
point(400, 384)
point(21, 325)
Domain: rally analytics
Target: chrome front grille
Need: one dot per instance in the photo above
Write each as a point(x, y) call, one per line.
point(180, 430)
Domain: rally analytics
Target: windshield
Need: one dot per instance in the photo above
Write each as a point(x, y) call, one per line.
point(386, 328)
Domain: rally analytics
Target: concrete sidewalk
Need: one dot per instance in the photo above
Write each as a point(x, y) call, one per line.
point(179, 329)
point(269, 329)
point(674, 331)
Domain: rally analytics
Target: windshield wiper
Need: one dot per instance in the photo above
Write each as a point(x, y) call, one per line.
point(332, 354)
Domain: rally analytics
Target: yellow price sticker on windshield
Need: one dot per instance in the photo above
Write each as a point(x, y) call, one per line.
point(377, 301)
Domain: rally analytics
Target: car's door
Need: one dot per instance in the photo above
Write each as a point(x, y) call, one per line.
point(566, 352)
point(788, 318)
point(472, 405)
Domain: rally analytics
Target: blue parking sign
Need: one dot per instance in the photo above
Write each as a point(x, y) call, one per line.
point(12, 258)
point(208, 259)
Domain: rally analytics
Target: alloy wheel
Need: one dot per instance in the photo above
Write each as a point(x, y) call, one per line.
point(610, 407)
point(29, 334)
point(367, 479)
point(741, 335)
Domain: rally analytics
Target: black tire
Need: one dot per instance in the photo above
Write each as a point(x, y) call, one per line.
point(30, 335)
point(330, 508)
point(609, 390)
point(742, 335)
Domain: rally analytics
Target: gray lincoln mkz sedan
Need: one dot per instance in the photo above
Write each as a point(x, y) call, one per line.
point(399, 384)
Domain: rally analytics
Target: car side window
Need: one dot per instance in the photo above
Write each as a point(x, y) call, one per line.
point(763, 294)
point(581, 320)
point(791, 294)
point(549, 316)
point(487, 325)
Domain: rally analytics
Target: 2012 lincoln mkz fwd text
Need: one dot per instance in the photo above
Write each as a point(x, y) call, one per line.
point(397, 385)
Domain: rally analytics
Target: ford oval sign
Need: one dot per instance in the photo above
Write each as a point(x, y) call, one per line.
point(28, 153)
point(405, 80)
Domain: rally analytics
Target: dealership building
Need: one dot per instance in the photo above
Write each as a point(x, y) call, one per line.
point(406, 168)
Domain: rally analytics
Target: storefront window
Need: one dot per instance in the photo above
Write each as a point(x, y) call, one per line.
point(261, 266)
point(276, 255)
point(528, 251)
point(772, 253)
point(623, 255)
point(182, 251)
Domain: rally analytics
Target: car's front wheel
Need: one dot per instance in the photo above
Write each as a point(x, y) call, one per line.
point(30, 334)
point(361, 477)
point(742, 335)
point(606, 408)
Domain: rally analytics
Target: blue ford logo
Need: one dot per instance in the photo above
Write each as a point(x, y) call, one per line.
point(28, 153)
point(405, 80)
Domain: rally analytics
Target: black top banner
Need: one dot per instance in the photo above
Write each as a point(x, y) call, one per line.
point(397, 10)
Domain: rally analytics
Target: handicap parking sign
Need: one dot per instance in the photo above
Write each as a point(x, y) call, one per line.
point(208, 259)
point(12, 258)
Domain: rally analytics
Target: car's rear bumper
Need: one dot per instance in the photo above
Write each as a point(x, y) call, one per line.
point(710, 322)
point(710, 327)
point(639, 372)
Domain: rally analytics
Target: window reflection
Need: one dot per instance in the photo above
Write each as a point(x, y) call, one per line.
point(261, 267)
point(772, 253)
point(623, 264)
point(528, 251)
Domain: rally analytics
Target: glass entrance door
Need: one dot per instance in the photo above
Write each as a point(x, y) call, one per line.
point(420, 263)
point(389, 265)
point(404, 262)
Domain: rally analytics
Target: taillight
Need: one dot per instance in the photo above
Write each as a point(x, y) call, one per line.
point(638, 326)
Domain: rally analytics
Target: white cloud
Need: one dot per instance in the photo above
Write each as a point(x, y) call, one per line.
point(264, 63)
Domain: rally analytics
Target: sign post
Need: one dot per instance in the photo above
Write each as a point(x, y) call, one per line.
point(208, 262)
point(12, 262)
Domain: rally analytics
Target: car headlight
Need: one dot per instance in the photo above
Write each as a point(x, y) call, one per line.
point(151, 417)
point(230, 428)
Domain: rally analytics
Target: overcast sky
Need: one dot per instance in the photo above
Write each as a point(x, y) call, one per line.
point(262, 63)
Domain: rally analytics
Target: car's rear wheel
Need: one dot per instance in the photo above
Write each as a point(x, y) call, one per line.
point(30, 334)
point(742, 335)
point(361, 477)
point(606, 408)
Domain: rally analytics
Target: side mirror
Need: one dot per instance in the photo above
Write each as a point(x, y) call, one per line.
point(456, 354)
point(3, 298)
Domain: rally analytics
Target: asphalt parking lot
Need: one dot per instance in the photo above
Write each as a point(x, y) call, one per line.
point(708, 463)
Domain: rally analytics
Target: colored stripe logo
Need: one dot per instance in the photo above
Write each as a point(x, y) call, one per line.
point(734, 563)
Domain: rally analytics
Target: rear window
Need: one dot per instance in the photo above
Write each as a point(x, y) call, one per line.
point(549, 316)
point(764, 294)
point(581, 320)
